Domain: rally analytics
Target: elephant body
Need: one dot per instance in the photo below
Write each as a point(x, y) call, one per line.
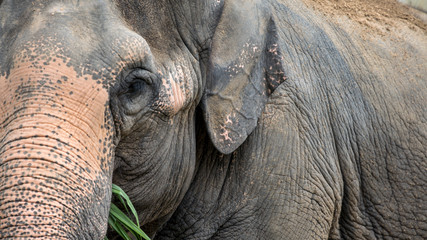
point(338, 152)
point(228, 119)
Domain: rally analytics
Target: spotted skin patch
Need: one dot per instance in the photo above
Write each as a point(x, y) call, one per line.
point(56, 145)
point(177, 90)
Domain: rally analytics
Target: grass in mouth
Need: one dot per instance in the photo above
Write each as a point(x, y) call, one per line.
point(120, 222)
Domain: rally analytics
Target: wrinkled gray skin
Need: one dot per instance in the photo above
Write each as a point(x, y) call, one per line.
point(221, 120)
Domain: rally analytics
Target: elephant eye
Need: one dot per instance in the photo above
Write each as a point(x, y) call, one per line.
point(136, 90)
point(135, 87)
point(137, 80)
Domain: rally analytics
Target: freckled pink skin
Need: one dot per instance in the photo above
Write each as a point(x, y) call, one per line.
point(177, 90)
point(54, 165)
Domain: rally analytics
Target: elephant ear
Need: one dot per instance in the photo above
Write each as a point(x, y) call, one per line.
point(244, 69)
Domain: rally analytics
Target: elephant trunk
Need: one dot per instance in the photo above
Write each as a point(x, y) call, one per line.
point(55, 156)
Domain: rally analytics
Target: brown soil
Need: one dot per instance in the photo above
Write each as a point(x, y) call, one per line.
point(375, 15)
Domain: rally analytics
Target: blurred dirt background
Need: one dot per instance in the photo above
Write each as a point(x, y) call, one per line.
point(375, 15)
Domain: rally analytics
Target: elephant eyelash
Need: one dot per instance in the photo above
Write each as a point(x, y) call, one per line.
point(140, 75)
point(136, 81)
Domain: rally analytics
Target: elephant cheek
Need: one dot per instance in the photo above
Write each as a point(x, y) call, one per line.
point(177, 90)
point(55, 155)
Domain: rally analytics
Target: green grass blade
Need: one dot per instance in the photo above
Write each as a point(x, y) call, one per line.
point(123, 202)
point(120, 222)
point(122, 195)
point(126, 222)
point(119, 215)
point(112, 221)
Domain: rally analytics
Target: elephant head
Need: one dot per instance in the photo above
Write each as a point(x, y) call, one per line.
point(100, 91)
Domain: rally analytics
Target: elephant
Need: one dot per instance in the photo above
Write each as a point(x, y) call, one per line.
point(221, 119)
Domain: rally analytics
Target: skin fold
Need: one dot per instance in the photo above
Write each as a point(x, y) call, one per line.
point(236, 119)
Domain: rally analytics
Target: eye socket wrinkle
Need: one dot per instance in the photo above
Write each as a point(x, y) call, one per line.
point(136, 81)
point(142, 74)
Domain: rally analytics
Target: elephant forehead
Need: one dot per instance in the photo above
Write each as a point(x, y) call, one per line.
point(44, 65)
point(103, 64)
point(45, 83)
